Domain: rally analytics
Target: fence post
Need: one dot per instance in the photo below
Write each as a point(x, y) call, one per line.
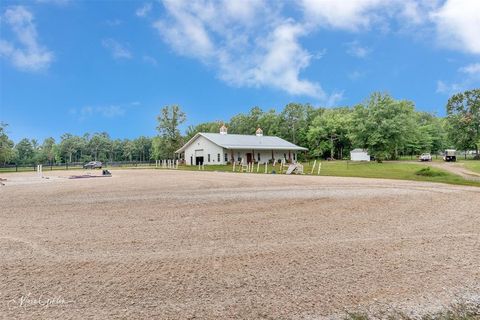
point(16, 167)
point(66, 164)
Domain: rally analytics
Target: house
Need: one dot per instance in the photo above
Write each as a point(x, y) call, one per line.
point(223, 148)
point(359, 155)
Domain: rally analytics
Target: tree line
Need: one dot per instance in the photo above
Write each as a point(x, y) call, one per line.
point(387, 127)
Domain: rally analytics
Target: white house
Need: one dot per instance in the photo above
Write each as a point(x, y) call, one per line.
point(359, 155)
point(223, 148)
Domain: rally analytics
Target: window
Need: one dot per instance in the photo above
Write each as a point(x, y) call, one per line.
point(218, 157)
point(226, 157)
point(209, 157)
point(258, 156)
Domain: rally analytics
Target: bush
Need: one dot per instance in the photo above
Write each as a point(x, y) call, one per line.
point(429, 172)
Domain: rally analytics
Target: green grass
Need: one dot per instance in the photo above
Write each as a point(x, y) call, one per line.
point(473, 165)
point(385, 170)
point(389, 170)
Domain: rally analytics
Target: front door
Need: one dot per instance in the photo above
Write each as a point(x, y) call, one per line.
point(249, 157)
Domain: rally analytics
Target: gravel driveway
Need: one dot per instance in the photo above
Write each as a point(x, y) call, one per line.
point(157, 244)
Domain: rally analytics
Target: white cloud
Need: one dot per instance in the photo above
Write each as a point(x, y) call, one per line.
point(28, 54)
point(250, 44)
point(356, 50)
point(256, 43)
point(450, 88)
point(458, 25)
point(347, 15)
point(118, 50)
point(144, 10)
point(113, 22)
point(150, 60)
point(111, 111)
point(57, 2)
point(355, 75)
point(471, 69)
point(468, 78)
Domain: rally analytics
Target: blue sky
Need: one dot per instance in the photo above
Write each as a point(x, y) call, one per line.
point(92, 66)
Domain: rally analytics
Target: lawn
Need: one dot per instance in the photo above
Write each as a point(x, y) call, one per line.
point(473, 165)
point(385, 170)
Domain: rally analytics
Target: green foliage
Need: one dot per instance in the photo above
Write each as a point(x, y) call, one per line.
point(383, 125)
point(463, 115)
point(212, 127)
point(388, 128)
point(329, 133)
point(169, 119)
point(429, 172)
point(7, 152)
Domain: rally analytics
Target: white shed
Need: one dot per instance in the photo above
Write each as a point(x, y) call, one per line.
point(359, 155)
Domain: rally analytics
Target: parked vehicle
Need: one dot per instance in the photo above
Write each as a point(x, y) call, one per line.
point(425, 157)
point(93, 165)
point(450, 155)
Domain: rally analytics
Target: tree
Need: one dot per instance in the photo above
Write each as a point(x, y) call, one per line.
point(293, 122)
point(330, 132)
point(143, 146)
point(99, 145)
point(129, 149)
point(6, 145)
point(25, 151)
point(68, 146)
point(169, 119)
point(463, 115)
point(383, 125)
point(212, 127)
point(47, 150)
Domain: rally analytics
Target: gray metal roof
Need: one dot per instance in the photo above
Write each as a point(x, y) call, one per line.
point(242, 141)
point(359, 150)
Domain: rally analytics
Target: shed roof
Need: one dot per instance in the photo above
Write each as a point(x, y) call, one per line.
point(359, 150)
point(242, 141)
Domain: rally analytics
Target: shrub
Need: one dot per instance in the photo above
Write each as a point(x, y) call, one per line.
point(429, 172)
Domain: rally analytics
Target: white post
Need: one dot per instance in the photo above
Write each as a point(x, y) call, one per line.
point(313, 168)
point(176, 164)
point(233, 166)
point(199, 166)
point(266, 166)
point(319, 167)
point(258, 166)
point(203, 167)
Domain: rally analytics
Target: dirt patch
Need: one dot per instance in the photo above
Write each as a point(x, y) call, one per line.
point(169, 245)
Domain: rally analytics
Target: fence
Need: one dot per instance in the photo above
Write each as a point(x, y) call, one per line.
point(71, 165)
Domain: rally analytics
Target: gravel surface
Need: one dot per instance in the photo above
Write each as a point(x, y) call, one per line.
point(175, 245)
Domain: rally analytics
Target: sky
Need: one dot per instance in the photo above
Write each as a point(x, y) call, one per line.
point(95, 66)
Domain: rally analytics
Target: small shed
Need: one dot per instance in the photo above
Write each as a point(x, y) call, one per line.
point(359, 155)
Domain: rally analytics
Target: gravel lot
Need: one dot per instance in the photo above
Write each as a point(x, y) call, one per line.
point(175, 245)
